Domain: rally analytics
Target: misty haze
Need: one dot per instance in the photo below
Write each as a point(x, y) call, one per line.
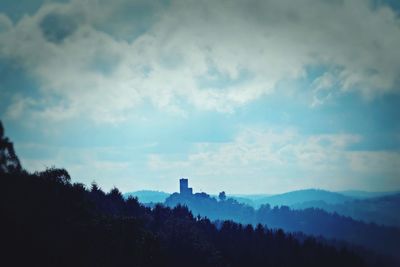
point(200, 133)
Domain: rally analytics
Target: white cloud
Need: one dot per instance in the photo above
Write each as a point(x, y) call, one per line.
point(5, 23)
point(109, 165)
point(103, 64)
point(284, 160)
point(375, 161)
point(257, 160)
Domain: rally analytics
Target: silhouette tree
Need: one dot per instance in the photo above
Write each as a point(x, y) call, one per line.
point(9, 161)
point(222, 196)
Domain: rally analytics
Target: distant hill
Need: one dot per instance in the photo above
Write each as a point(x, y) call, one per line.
point(309, 196)
point(365, 194)
point(251, 196)
point(301, 196)
point(148, 196)
point(377, 207)
point(249, 199)
point(381, 210)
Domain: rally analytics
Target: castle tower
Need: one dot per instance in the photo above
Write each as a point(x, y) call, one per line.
point(184, 188)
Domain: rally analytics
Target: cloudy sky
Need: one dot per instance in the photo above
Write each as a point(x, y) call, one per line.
point(243, 96)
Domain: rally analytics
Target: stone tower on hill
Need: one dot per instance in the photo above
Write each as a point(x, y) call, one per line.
point(184, 188)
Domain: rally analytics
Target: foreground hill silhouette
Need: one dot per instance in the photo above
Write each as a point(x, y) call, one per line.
point(49, 221)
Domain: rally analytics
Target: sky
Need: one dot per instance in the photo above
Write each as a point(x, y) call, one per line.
point(242, 96)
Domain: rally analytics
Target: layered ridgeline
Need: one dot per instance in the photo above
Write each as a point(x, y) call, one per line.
point(317, 222)
point(293, 198)
point(382, 210)
point(370, 207)
point(49, 221)
point(376, 207)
